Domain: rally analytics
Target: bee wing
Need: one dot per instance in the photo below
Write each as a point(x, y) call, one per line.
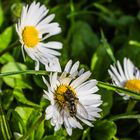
point(81, 111)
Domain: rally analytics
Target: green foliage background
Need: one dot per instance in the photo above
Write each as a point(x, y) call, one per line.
point(95, 32)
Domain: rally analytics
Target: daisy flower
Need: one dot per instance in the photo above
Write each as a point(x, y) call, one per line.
point(33, 28)
point(127, 76)
point(72, 98)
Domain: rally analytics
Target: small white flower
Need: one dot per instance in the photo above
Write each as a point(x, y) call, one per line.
point(126, 77)
point(34, 27)
point(72, 97)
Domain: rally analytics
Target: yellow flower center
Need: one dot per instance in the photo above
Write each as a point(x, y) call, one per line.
point(60, 91)
point(30, 36)
point(133, 85)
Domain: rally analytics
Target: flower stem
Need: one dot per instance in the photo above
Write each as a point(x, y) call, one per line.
point(41, 72)
point(85, 133)
point(131, 105)
point(124, 116)
point(118, 89)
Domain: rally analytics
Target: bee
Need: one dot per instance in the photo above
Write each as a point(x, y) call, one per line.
point(72, 103)
point(71, 100)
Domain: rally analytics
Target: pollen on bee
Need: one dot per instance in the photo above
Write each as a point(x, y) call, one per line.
point(133, 85)
point(60, 91)
point(30, 36)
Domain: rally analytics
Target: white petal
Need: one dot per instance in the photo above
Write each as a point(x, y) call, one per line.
point(49, 112)
point(114, 78)
point(85, 121)
point(57, 127)
point(45, 81)
point(54, 45)
point(90, 97)
point(137, 74)
point(80, 79)
point(48, 95)
point(47, 20)
point(81, 111)
point(66, 81)
point(86, 85)
point(53, 66)
point(130, 69)
point(114, 70)
point(44, 50)
point(67, 125)
point(69, 131)
point(125, 68)
point(74, 67)
point(37, 65)
point(68, 66)
point(74, 123)
point(54, 81)
point(121, 70)
point(30, 52)
point(81, 72)
point(91, 102)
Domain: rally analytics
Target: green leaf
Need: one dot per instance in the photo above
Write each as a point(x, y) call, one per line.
point(35, 114)
point(107, 98)
point(138, 15)
point(39, 81)
point(5, 38)
point(108, 20)
point(103, 9)
point(44, 102)
point(24, 112)
point(15, 80)
point(1, 14)
point(6, 58)
point(4, 126)
point(131, 51)
point(16, 9)
point(37, 134)
point(50, 138)
point(7, 98)
point(125, 20)
point(40, 131)
point(84, 41)
point(33, 127)
point(107, 47)
point(19, 95)
point(49, 128)
point(105, 130)
point(62, 134)
point(100, 62)
point(134, 43)
point(76, 134)
point(17, 123)
point(127, 139)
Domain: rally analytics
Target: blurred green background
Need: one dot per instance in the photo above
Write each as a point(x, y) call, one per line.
point(95, 32)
